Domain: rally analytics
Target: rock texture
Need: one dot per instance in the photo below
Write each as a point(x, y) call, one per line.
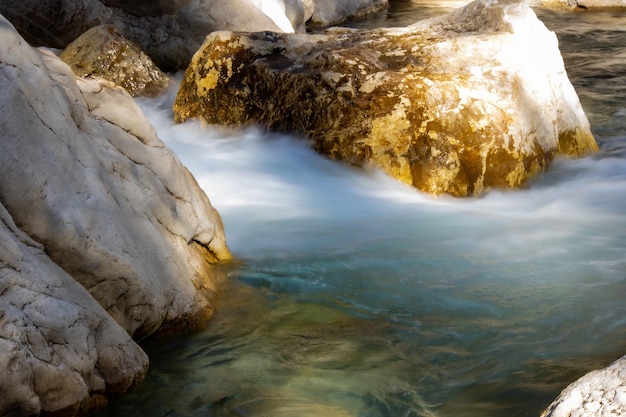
point(600, 393)
point(84, 173)
point(330, 12)
point(456, 104)
point(103, 52)
point(169, 31)
point(586, 4)
point(60, 352)
point(103, 234)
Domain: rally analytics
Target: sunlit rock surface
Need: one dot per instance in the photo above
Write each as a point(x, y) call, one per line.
point(169, 31)
point(600, 393)
point(457, 104)
point(586, 4)
point(84, 174)
point(60, 352)
point(103, 234)
point(329, 12)
point(104, 52)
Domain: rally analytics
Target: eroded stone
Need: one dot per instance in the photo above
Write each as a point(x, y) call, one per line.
point(458, 104)
point(60, 352)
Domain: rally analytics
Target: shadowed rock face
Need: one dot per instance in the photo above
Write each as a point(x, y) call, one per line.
point(457, 104)
point(148, 7)
point(170, 39)
point(330, 12)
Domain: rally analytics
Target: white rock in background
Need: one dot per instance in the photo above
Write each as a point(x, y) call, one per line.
point(329, 12)
point(600, 393)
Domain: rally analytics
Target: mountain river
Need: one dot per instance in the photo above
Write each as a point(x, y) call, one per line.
point(354, 295)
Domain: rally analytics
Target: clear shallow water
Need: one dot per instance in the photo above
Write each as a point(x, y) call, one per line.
point(357, 296)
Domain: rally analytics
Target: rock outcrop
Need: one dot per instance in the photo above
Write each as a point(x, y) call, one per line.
point(600, 393)
point(103, 234)
point(586, 4)
point(457, 104)
point(330, 12)
point(169, 31)
point(103, 52)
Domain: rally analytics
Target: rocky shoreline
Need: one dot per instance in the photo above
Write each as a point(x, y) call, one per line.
point(106, 238)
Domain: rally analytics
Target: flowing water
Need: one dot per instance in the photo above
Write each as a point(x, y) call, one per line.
point(357, 296)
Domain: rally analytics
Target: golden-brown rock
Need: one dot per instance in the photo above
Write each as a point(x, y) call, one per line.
point(457, 104)
point(102, 51)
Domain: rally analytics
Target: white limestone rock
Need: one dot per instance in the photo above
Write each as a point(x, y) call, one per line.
point(60, 352)
point(84, 174)
point(600, 393)
point(330, 12)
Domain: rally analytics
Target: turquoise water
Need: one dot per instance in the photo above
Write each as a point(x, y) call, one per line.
point(357, 296)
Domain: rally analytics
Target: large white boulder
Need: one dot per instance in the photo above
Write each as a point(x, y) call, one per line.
point(600, 393)
point(84, 173)
point(103, 235)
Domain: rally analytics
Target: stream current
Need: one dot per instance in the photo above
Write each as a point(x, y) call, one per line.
point(355, 295)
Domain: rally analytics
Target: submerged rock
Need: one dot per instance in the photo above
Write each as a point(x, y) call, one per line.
point(103, 234)
point(600, 393)
point(456, 104)
point(103, 52)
